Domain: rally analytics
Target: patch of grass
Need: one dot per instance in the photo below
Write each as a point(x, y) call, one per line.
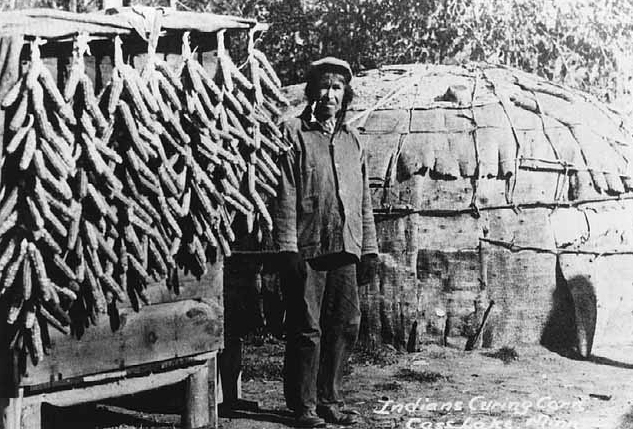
point(388, 386)
point(262, 369)
point(505, 354)
point(262, 358)
point(381, 356)
point(407, 374)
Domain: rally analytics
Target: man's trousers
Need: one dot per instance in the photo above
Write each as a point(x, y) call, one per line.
point(322, 323)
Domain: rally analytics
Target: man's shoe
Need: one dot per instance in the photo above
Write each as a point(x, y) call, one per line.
point(332, 414)
point(309, 419)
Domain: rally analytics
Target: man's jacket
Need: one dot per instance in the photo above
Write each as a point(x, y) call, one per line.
point(323, 209)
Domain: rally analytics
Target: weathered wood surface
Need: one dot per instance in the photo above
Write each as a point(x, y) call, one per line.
point(49, 23)
point(198, 376)
point(208, 287)
point(157, 333)
point(196, 411)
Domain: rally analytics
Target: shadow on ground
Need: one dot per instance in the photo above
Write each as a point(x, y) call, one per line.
point(263, 415)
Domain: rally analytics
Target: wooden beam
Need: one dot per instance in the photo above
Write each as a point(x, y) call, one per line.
point(127, 386)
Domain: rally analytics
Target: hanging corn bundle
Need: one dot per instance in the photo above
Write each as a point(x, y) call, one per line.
point(35, 212)
point(102, 195)
point(149, 204)
point(93, 231)
point(245, 118)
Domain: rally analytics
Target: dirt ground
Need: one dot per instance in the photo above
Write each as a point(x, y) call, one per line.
point(440, 388)
point(444, 387)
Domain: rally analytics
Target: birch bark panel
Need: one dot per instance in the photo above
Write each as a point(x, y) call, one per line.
point(522, 285)
point(386, 122)
point(450, 281)
point(450, 233)
point(383, 147)
point(600, 287)
point(528, 228)
point(540, 186)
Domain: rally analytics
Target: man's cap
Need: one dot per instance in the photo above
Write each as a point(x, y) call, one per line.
point(330, 63)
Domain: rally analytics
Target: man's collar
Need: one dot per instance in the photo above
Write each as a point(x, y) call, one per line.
point(310, 122)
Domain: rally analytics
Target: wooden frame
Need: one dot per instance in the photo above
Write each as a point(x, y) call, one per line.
point(200, 405)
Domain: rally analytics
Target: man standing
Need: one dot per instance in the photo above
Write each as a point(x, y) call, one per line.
point(324, 229)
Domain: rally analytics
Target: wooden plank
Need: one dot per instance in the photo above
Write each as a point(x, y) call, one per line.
point(104, 72)
point(91, 68)
point(156, 333)
point(122, 387)
point(209, 286)
point(50, 23)
point(209, 61)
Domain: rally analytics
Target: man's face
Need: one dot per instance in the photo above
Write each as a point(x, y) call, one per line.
point(331, 91)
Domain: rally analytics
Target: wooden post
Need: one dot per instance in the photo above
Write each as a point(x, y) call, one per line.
point(10, 413)
point(481, 309)
point(6, 414)
point(31, 416)
point(212, 389)
point(196, 413)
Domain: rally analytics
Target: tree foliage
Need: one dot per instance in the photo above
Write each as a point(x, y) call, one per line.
point(586, 44)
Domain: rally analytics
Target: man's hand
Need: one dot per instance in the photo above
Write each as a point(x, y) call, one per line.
point(366, 269)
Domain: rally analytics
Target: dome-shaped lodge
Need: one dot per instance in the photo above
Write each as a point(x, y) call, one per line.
point(492, 184)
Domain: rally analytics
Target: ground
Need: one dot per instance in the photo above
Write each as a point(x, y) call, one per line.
point(522, 387)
